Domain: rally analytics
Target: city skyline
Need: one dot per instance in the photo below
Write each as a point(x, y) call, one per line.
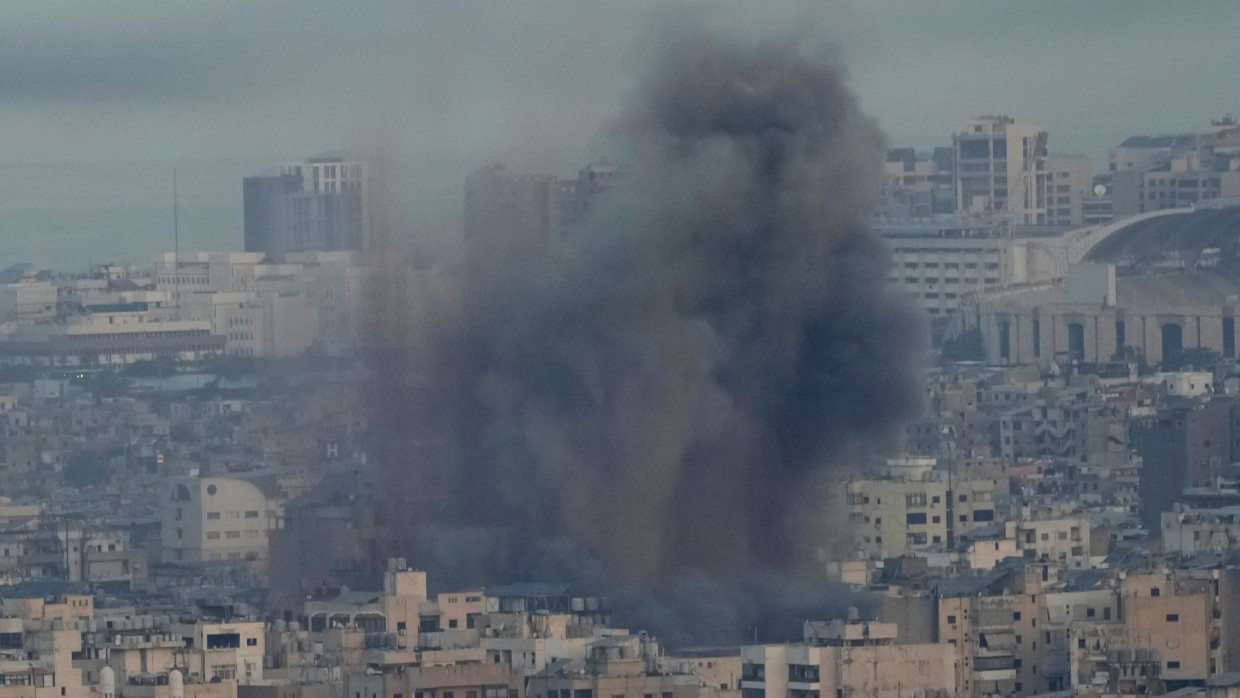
point(234, 80)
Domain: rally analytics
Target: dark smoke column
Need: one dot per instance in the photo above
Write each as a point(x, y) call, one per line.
point(660, 388)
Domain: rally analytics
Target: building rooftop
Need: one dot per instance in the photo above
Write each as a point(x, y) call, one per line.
point(528, 590)
point(1156, 141)
point(43, 588)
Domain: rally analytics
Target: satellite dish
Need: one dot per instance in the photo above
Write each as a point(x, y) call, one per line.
point(1100, 190)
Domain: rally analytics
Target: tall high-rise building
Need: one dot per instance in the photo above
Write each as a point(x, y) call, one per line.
point(506, 212)
point(999, 169)
point(319, 205)
point(266, 212)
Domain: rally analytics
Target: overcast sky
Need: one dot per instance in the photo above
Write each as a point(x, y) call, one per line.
point(532, 80)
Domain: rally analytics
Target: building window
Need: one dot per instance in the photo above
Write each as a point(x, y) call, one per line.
point(915, 518)
point(1173, 618)
point(1173, 665)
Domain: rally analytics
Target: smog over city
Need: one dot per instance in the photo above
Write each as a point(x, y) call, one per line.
point(656, 349)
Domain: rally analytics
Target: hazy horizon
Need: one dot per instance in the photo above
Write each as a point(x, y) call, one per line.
point(450, 87)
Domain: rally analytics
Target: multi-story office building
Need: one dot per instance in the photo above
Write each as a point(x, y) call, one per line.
point(1152, 173)
point(1068, 181)
point(322, 204)
point(938, 262)
point(1000, 169)
point(1185, 180)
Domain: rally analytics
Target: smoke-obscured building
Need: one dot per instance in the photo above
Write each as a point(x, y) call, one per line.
point(506, 212)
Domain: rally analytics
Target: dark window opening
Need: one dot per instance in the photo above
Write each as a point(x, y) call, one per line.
point(1076, 341)
point(221, 641)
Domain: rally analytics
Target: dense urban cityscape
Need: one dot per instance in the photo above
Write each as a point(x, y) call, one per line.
point(740, 409)
point(183, 516)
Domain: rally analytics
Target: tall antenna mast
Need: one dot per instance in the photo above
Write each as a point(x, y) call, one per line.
point(176, 242)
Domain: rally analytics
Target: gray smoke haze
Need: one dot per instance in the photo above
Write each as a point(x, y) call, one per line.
point(652, 405)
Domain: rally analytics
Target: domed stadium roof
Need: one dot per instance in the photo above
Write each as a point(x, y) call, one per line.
point(1180, 239)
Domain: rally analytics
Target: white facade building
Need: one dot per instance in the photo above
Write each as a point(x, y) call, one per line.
point(215, 518)
point(938, 262)
point(28, 299)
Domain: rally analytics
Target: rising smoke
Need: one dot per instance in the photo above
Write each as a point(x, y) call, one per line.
point(650, 406)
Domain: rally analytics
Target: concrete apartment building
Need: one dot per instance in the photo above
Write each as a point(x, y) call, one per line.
point(1165, 628)
point(215, 518)
point(1068, 182)
point(1189, 531)
point(914, 506)
point(28, 298)
point(464, 680)
point(936, 264)
point(941, 262)
point(1062, 540)
point(312, 301)
point(997, 168)
point(853, 658)
point(1152, 173)
point(994, 643)
point(1185, 178)
point(1072, 426)
point(621, 665)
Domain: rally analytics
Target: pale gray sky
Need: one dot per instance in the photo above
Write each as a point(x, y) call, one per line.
point(532, 80)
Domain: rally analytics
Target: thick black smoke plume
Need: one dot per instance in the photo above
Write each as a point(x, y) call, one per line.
point(654, 400)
